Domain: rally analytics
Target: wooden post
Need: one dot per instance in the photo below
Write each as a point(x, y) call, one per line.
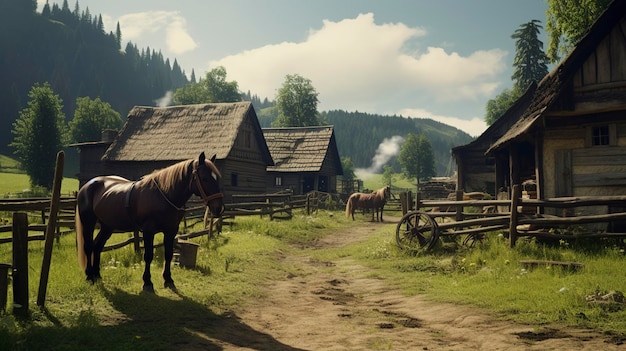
point(4, 285)
point(404, 203)
point(409, 201)
point(20, 263)
point(459, 209)
point(51, 228)
point(515, 198)
point(417, 201)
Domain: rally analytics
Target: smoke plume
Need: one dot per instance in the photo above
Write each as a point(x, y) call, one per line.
point(165, 100)
point(389, 148)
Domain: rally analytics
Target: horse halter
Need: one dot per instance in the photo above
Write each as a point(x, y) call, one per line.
point(206, 198)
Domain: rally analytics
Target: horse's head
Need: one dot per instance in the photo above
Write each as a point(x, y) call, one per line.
point(205, 183)
point(387, 190)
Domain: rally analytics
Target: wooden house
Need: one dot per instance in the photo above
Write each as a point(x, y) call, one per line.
point(571, 139)
point(476, 172)
point(305, 159)
point(156, 137)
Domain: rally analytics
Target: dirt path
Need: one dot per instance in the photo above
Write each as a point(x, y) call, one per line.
point(336, 306)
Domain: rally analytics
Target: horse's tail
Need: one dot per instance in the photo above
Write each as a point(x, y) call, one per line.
point(349, 206)
point(80, 240)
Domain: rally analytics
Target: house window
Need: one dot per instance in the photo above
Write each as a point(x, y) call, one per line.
point(600, 135)
point(233, 179)
point(278, 181)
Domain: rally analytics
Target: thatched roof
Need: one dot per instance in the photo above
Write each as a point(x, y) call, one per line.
point(301, 149)
point(182, 132)
point(556, 82)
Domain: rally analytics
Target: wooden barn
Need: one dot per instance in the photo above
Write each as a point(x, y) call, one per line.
point(476, 172)
point(156, 137)
point(571, 139)
point(305, 159)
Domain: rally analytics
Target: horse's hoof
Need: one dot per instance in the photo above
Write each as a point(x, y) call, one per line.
point(170, 285)
point(149, 288)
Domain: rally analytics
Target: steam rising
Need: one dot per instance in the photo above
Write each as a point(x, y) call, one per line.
point(389, 148)
point(165, 100)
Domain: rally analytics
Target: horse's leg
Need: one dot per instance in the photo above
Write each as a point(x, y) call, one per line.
point(148, 255)
point(98, 246)
point(168, 243)
point(85, 226)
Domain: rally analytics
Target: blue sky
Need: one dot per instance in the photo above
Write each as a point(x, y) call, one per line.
point(439, 59)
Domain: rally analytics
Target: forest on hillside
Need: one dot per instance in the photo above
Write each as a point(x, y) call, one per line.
point(359, 135)
point(70, 49)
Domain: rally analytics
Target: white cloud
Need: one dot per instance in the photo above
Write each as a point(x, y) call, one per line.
point(474, 127)
point(158, 25)
point(356, 64)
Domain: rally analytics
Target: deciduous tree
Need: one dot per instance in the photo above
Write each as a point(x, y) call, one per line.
point(416, 158)
point(296, 103)
point(568, 21)
point(91, 117)
point(213, 88)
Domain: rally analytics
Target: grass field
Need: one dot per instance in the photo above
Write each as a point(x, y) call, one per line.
point(14, 182)
point(233, 266)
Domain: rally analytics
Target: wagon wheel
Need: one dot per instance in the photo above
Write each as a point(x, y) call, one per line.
point(416, 231)
point(473, 238)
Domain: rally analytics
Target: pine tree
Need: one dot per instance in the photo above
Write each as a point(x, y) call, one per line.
point(530, 63)
point(40, 132)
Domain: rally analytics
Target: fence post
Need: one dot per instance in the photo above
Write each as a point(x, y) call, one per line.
point(459, 209)
point(4, 285)
point(20, 263)
point(417, 201)
point(51, 229)
point(515, 198)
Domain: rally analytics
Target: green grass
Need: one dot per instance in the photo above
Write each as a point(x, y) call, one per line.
point(12, 184)
point(9, 165)
point(490, 276)
point(375, 181)
point(245, 259)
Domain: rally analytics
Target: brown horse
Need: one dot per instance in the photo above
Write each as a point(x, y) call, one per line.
point(152, 205)
point(375, 201)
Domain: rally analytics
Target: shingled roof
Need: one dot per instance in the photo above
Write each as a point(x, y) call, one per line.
point(181, 132)
point(551, 86)
point(301, 149)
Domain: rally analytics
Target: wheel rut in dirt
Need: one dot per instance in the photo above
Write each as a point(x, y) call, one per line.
point(340, 305)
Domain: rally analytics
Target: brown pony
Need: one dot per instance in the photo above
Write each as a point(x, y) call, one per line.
point(152, 205)
point(375, 201)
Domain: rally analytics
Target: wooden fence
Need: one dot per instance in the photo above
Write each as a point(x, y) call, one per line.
point(555, 218)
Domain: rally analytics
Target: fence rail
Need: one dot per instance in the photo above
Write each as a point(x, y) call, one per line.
point(519, 217)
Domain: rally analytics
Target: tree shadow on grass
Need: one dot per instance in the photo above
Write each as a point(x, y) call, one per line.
point(144, 322)
point(185, 324)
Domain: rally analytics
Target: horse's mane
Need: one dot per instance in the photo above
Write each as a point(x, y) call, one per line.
point(169, 176)
point(381, 193)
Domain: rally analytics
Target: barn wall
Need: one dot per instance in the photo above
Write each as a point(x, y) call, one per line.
point(588, 170)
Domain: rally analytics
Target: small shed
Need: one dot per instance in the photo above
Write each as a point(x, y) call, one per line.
point(305, 159)
point(571, 139)
point(157, 137)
